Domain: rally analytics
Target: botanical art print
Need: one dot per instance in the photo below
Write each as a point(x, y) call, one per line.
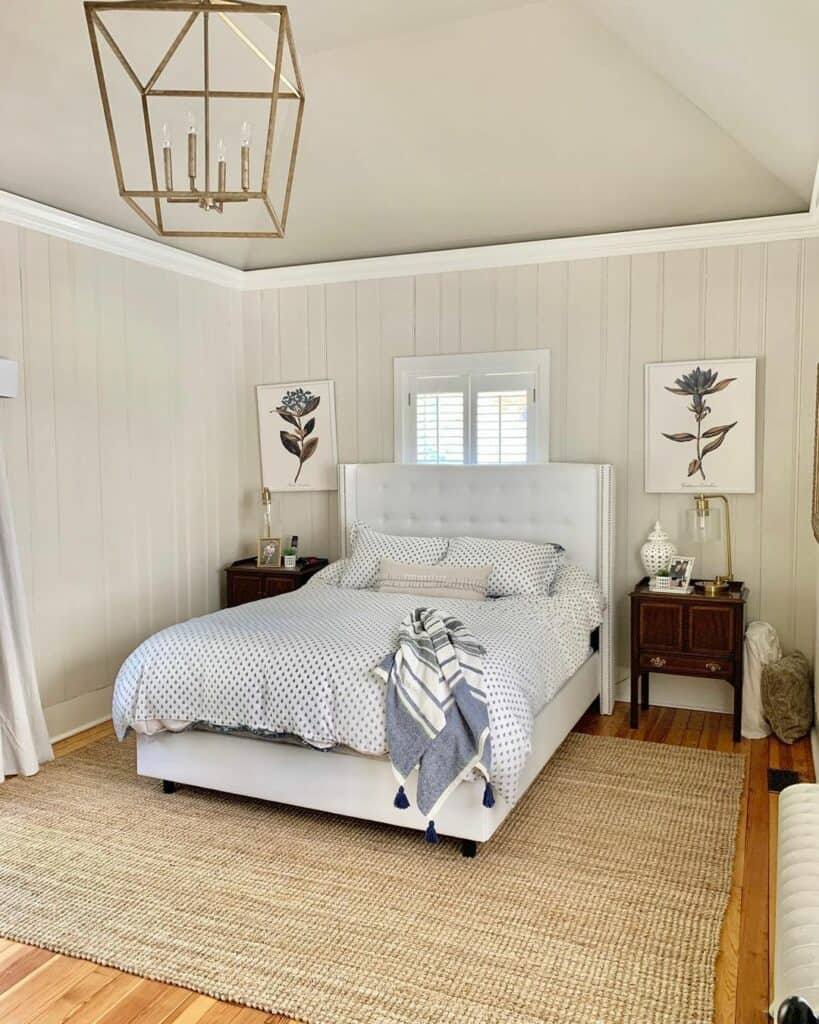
point(297, 404)
point(698, 386)
point(700, 429)
point(297, 436)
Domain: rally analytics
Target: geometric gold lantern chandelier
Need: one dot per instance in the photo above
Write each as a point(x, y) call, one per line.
point(203, 103)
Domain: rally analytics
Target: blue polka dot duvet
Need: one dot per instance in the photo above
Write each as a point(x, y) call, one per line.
point(301, 665)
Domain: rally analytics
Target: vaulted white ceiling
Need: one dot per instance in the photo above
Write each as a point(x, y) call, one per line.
point(441, 123)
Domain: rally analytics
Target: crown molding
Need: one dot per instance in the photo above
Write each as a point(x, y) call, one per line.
point(516, 254)
point(26, 213)
point(38, 217)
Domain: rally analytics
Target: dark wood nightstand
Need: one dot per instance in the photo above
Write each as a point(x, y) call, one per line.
point(687, 635)
point(246, 581)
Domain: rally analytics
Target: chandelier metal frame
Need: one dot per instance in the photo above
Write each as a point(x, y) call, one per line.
point(209, 198)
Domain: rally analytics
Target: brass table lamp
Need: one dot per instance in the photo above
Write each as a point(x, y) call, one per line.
point(705, 529)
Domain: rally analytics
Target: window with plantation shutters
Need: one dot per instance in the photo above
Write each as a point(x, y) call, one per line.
point(488, 409)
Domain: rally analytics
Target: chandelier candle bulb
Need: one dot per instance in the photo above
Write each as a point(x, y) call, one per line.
point(167, 157)
point(245, 157)
point(192, 150)
point(221, 173)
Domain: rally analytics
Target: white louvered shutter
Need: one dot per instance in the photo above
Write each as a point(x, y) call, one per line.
point(438, 412)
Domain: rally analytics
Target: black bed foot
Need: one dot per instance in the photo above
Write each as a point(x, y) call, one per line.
point(469, 848)
point(168, 786)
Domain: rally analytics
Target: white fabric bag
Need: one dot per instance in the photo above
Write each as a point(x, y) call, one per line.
point(761, 647)
point(24, 741)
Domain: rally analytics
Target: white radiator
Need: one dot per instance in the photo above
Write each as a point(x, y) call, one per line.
point(796, 962)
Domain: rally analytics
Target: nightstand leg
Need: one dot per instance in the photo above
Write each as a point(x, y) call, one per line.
point(635, 699)
point(644, 687)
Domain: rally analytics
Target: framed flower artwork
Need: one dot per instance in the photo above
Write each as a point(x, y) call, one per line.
point(297, 436)
point(700, 426)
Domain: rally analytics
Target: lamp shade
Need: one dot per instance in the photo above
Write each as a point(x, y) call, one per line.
point(703, 526)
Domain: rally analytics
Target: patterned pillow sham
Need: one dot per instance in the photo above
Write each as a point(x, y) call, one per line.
point(368, 547)
point(464, 583)
point(518, 567)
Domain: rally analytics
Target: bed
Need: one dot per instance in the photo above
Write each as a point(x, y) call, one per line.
point(569, 504)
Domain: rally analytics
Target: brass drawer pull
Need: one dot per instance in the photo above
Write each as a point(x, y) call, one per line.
point(657, 662)
point(712, 666)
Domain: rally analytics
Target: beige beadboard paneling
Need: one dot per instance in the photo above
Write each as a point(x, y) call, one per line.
point(602, 320)
point(123, 454)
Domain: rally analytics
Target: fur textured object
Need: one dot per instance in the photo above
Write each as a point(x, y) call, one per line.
point(787, 696)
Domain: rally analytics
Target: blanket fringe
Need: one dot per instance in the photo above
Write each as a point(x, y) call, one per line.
point(401, 800)
point(488, 795)
point(431, 835)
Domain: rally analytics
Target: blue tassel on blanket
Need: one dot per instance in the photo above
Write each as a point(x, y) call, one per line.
point(488, 795)
point(401, 800)
point(431, 835)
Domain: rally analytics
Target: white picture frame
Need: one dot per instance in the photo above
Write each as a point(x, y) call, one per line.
point(680, 571)
point(712, 451)
point(297, 436)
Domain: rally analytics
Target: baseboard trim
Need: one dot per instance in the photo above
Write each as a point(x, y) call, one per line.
point(688, 694)
point(79, 729)
point(82, 712)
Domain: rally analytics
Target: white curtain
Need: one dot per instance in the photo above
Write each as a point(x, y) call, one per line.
point(24, 741)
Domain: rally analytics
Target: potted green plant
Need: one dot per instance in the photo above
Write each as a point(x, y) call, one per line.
point(290, 558)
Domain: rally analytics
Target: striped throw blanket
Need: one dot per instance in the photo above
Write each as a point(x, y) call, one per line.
point(437, 718)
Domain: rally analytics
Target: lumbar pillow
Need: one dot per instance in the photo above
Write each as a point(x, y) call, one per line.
point(368, 547)
point(787, 696)
point(466, 584)
point(517, 566)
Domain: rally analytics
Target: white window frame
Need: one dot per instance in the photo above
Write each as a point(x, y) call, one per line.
point(475, 367)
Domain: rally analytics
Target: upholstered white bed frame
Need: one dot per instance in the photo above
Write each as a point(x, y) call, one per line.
point(571, 504)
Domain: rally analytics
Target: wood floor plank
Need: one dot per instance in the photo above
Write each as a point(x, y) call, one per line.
point(678, 726)
point(752, 968)
point(84, 739)
point(693, 731)
point(710, 733)
point(41, 988)
point(75, 997)
point(135, 1002)
point(170, 1005)
point(20, 963)
point(102, 1002)
point(661, 727)
point(803, 760)
point(220, 1013)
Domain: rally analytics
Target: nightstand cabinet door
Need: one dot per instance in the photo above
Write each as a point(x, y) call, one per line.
point(660, 625)
point(243, 589)
point(275, 585)
point(711, 628)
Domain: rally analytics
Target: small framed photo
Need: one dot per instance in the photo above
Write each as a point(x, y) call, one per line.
point(270, 553)
point(680, 571)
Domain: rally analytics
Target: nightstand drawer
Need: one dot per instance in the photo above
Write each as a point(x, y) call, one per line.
point(686, 664)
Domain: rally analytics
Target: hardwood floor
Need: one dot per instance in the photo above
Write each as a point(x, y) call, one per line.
point(39, 987)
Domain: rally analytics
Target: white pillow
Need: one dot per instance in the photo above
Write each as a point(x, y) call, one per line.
point(368, 547)
point(465, 584)
point(518, 568)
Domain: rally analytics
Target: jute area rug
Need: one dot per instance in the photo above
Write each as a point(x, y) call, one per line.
point(600, 899)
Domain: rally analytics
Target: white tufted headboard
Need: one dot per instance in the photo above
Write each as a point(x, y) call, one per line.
point(567, 503)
